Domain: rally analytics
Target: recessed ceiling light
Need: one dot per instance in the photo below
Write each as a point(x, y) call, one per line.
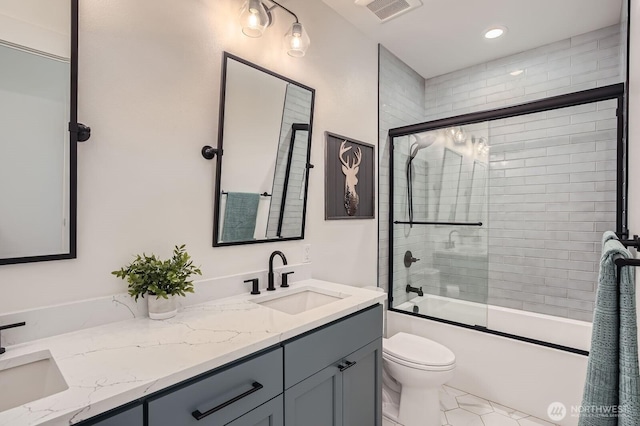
point(494, 32)
point(516, 72)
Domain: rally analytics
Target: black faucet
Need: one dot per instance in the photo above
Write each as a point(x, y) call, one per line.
point(271, 286)
point(5, 327)
point(417, 290)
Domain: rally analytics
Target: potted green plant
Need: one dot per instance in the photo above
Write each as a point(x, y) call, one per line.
point(161, 280)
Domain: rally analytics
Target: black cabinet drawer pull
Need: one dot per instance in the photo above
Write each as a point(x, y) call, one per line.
point(255, 387)
point(349, 364)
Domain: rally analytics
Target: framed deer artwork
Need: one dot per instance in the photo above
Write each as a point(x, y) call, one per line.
point(349, 178)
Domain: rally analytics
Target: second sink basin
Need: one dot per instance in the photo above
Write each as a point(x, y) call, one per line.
point(299, 300)
point(29, 377)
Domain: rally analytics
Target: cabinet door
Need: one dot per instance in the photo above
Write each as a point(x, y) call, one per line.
point(268, 414)
point(362, 384)
point(131, 417)
point(314, 351)
point(316, 401)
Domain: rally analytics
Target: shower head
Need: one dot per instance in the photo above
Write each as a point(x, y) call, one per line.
point(421, 141)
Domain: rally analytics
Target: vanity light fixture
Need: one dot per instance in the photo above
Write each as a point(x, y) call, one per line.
point(255, 17)
point(495, 32)
point(482, 147)
point(460, 137)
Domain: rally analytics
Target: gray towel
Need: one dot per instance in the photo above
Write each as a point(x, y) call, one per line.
point(612, 389)
point(240, 215)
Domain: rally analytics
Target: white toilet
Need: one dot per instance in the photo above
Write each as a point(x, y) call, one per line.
point(414, 370)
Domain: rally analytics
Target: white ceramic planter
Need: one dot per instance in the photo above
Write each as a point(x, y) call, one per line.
point(161, 308)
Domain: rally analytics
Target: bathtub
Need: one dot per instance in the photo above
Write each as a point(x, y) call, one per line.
point(521, 375)
point(546, 328)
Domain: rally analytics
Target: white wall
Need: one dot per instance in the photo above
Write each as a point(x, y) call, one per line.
point(149, 88)
point(44, 26)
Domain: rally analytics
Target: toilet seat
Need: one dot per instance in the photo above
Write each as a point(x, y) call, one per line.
point(418, 353)
point(420, 367)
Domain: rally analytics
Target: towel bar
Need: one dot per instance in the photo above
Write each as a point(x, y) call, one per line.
point(634, 242)
point(264, 194)
point(398, 222)
point(621, 263)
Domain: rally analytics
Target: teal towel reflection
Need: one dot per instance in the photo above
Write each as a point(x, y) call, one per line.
point(240, 215)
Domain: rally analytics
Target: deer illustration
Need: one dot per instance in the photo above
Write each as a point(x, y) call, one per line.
point(351, 198)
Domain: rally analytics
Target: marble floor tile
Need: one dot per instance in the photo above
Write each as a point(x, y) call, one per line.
point(497, 419)
point(506, 411)
point(453, 391)
point(459, 408)
point(387, 422)
point(447, 401)
point(460, 417)
point(534, 421)
point(474, 404)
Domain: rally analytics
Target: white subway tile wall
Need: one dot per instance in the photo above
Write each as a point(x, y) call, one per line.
point(582, 62)
point(297, 109)
point(402, 100)
point(551, 194)
point(552, 184)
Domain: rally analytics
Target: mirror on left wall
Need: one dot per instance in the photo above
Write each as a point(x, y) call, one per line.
point(38, 130)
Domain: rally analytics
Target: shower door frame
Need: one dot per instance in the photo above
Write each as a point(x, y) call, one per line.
point(614, 91)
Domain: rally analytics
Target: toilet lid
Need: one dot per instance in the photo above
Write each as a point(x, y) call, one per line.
point(418, 350)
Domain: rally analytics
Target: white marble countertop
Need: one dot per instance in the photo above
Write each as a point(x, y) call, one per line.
point(110, 365)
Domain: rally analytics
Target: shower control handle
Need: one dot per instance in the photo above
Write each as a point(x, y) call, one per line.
point(409, 259)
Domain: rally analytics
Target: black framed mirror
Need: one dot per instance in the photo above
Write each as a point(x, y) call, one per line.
point(264, 146)
point(38, 130)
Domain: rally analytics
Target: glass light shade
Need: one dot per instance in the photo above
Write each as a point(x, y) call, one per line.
point(460, 137)
point(297, 40)
point(254, 18)
point(482, 146)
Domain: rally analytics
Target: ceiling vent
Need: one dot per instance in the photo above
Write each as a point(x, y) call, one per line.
point(386, 10)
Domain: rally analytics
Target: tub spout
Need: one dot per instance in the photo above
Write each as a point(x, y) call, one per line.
point(417, 290)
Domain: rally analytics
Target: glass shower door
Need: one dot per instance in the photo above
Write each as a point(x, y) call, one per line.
point(439, 239)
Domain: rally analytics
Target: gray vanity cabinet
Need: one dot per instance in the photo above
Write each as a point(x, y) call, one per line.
point(223, 397)
point(129, 417)
point(361, 386)
point(333, 376)
point(268, 414)
point(316, 401)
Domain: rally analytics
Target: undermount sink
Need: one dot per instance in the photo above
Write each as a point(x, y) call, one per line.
point(299, 300)
point(29, 377)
